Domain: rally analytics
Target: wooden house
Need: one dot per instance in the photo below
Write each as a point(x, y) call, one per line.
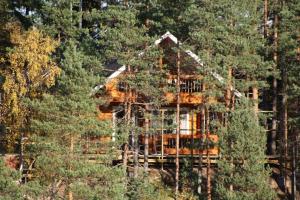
point(194, 119)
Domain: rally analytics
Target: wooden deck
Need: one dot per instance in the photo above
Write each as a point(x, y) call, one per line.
point(170, 159)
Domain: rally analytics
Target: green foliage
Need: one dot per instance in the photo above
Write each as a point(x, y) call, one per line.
point(225, 34)
point(9, 186)
point(60, 120)
point(288, 51)
point(242, 145)
point(145, 188)
point(27, 69)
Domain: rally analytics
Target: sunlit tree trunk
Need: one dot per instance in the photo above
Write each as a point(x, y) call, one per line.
point(178, 123)
point(207, 155)
point(146, 141)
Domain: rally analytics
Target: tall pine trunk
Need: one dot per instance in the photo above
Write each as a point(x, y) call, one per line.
point(255, 98)
point(178, 123)
point(228, 101)
point(200, 153)
point(146, 142)
point(274, 89)
point(266, 18)
point(70, 193)
point(207, 155)
point(80, 17)
point(146, 138)
point(284, 123)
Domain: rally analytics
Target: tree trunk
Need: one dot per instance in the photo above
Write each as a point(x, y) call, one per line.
point(284, 123)
point(146, 147)
point(255, 98)
point(294, 181)
point(135, 154)
point(127, 110)
point(80, 17)
point(228, 101)
point(162, 139)
point(207, 156)
point(146, 141)
point(202, 130)
point(192, 140)
point(274, 88)
point(21, 159)
point(125, 156)
point(266, 18)
point(71, 11)
point(70, 195)
point(135, 136)
point(228, 90)
point(178, 123)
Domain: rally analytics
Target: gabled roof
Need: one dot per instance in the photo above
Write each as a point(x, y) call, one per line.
point(170, 36)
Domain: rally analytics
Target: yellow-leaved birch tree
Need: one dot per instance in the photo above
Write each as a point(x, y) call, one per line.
point(26, 70)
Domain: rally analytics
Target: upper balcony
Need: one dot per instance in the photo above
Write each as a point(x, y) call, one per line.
point(191, 91)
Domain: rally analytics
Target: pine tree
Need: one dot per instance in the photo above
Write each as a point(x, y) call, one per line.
point(243, 142)
point(126, 41)
point(166, 15)
point(227, 37)
point(62, 119)
point(9, 186)
point(286, 24)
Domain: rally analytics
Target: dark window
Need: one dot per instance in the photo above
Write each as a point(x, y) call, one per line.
point(122, 86)
point(188, 85)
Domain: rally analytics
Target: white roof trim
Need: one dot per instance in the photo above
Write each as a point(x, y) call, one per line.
point(112, 76)
point(164, 36)
point(190, 53)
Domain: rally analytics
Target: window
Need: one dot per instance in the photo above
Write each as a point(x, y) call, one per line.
point(184, 122)
point(121, 86)
point(169, 122)
point(188, 85)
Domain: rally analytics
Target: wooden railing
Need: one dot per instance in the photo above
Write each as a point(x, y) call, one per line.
point(164, 144)
point(188, 144)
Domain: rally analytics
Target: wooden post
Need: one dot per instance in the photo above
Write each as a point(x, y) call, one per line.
point(178, 122)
